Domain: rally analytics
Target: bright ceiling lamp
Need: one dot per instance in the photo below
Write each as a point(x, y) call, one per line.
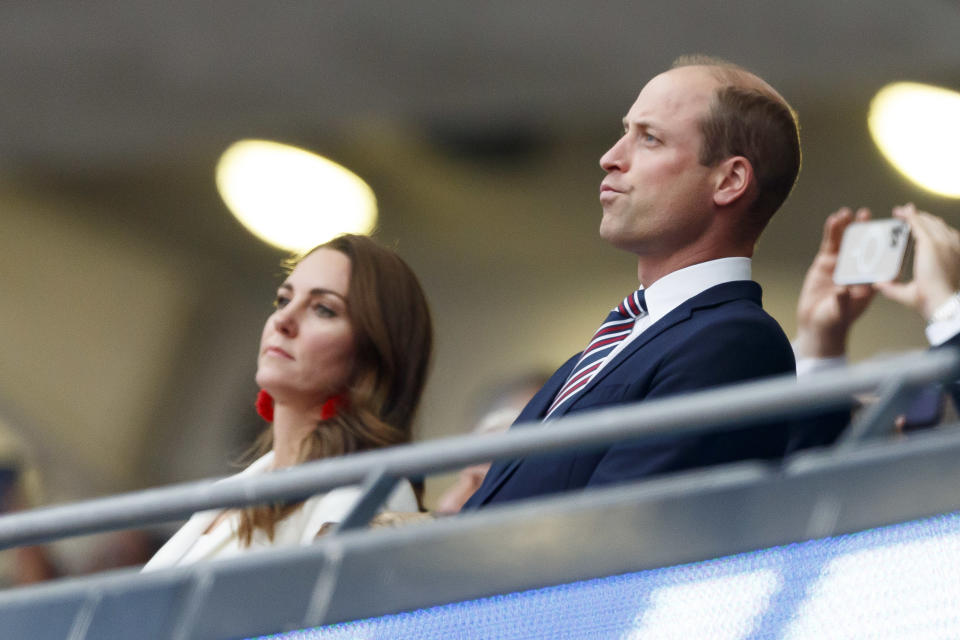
point(917, 127)
point(292, 198)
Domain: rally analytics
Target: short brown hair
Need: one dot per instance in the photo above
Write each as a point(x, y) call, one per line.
point(394, 341)
point(748, 118)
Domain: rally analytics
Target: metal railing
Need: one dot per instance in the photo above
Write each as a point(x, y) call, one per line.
point(728, 408)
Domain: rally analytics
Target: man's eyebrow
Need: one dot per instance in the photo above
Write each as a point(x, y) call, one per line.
point(639, 124)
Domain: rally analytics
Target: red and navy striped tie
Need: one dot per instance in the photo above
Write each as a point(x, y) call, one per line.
point(614, 329)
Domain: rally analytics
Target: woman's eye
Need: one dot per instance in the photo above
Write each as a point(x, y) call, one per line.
point(323, 311)
point(281, 301)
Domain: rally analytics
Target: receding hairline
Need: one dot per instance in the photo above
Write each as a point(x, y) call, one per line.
point(730, 74)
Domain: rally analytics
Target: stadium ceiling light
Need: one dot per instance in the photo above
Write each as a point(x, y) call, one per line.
point(291, 198)
point(916, 127)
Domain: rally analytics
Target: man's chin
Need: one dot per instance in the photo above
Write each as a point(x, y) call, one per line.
point(608, 229)
point(619, 240)
point(611, 233)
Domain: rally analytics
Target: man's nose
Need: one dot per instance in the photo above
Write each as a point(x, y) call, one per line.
point(613, 159)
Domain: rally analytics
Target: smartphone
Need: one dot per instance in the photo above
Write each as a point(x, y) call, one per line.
point(871, 251)
point(925, 409)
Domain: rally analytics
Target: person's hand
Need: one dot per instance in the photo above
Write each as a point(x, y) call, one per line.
point(393, 519)
point(468, 481)
point(826, 311)
point(936, 263)
point(385, 519)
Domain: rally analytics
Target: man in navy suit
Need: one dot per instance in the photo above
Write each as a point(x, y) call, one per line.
point(709, 152)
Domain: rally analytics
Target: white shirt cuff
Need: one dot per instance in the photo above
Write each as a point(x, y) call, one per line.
point(940, 332)
point(806, 366)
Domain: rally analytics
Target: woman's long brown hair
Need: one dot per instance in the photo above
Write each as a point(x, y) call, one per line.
point(394, 340)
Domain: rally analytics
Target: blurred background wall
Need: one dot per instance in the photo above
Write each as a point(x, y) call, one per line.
point(131, 301)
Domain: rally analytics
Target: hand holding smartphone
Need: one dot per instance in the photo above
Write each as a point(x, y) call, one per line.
point(871, 251)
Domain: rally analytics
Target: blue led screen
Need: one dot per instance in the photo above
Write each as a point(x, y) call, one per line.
point(901, 581)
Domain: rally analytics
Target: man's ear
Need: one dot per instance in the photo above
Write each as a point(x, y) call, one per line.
point(733, 179)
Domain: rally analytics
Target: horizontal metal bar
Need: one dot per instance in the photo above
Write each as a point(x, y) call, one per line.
point(728, 408)
point(540, 542)
point(880, 416)
point(376, 489)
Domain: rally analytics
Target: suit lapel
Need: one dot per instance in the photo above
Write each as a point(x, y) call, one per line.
point(531, 414)
point(541, 401)
point(713, 296)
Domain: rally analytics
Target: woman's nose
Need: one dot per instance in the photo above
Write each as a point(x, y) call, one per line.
point(285, 321)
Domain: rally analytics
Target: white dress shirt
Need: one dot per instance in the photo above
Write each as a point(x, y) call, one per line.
point(673, 289)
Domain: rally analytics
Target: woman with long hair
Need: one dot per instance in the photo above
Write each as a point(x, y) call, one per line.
point(342, 363)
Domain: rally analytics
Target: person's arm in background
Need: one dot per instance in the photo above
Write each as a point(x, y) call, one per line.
point(825, 314)
point(933, 292)
point(33, 563)
point(826, 311)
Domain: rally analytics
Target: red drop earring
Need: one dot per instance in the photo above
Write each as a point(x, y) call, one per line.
point(264, 405)
point(331, 406)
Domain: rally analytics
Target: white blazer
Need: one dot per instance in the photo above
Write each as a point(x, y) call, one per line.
point(190, 544)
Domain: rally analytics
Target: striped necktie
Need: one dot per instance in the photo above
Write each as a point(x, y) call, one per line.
point(614, 329)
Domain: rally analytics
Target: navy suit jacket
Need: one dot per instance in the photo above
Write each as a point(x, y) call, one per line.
point(720, 336)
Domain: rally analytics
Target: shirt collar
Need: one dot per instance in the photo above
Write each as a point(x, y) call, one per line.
point(673, 289)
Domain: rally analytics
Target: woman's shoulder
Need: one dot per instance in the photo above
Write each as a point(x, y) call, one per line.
point(339, 501)
point(260, 465)
point(334, 505)
point(402, 498)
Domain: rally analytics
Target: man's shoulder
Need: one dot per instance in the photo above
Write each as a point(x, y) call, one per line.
point(736, 304)
point(745, 293)
point(729, 321)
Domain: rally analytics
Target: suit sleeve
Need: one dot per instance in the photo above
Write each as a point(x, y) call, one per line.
point(719, 354)
point(924, 410)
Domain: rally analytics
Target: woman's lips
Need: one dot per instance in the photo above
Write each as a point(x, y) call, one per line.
point(277, 351)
